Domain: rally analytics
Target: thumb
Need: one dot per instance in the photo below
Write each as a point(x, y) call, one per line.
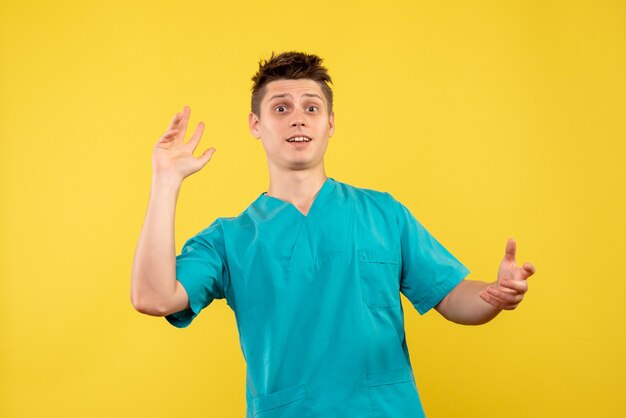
point(206, 156)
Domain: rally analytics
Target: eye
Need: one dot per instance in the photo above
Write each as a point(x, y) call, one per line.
point(312, 107)
point(278, 109)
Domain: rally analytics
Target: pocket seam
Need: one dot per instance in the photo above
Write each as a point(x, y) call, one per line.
point(278, 398)
point(376, 257)
point(389, 377)
point(366, 255)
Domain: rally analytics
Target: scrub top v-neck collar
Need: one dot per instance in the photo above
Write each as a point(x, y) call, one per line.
point(268, 205)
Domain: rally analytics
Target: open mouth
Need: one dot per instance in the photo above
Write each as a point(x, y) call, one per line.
point(299, 139)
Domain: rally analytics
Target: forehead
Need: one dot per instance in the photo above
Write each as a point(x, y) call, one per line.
point(295, 88)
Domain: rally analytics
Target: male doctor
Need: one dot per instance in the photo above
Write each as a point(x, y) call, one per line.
point(313, 268)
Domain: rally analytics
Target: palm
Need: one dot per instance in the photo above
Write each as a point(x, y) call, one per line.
point(173, 156)
point(509, 270)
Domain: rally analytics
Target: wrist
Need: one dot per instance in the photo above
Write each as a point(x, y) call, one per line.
point(166, 180)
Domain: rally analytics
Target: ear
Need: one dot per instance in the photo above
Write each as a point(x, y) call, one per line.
point(331, 123)
point(253, 123)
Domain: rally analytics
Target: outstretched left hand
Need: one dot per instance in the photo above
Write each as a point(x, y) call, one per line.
point(508, 291)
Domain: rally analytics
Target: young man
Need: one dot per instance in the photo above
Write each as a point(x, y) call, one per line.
point(313, 268)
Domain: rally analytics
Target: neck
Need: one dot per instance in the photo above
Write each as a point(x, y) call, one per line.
point(299, 187)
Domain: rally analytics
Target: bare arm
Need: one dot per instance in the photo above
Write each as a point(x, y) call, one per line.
point(153, 279)
point(154, 288)
point(463, 304)
point(474, 302)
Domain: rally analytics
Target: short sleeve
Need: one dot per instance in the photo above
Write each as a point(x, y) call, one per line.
point(202, 271)
point(429, 270)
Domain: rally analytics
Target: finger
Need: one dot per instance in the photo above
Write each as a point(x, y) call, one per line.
point(197, 134)
point(529, 269)
point(524, 272)
point(175, 122)
point(519, 286)
point(504, 296)
point(182, 126)
point(167, 136)
point(509, 252)
point(498, 303)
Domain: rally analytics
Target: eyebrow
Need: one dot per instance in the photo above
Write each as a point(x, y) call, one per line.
point(276, 96)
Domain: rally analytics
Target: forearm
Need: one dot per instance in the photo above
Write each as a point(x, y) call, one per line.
point(463, 304)
point(153, 275)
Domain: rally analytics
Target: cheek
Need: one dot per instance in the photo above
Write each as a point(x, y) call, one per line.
point(269, 127)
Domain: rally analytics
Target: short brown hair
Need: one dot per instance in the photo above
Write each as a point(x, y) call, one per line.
point(290, 65)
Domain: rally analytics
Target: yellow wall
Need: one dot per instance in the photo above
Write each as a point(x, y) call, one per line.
point(487, 119)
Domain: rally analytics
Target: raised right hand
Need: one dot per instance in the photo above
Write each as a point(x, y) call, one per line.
point(173, 157)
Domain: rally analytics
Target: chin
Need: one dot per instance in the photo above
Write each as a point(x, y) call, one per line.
point(300, 166)
point(297, 163)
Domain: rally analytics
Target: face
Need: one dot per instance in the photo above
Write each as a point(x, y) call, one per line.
point(293, 109)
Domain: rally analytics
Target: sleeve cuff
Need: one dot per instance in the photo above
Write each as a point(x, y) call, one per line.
point(182, 319)
point(442, 290)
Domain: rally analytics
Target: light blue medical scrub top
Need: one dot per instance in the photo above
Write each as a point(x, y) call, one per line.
point(317, 299)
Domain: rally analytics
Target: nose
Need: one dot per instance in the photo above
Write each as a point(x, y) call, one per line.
point(298, 119)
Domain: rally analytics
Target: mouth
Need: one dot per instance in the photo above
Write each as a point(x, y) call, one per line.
point(299, 138)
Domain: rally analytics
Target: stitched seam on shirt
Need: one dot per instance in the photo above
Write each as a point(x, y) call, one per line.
point(328, 257)
point(427, 301)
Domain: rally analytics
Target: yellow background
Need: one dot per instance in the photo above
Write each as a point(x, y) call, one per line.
point(487, 119)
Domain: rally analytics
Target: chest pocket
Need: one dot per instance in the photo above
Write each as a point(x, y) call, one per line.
point(379, 277)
